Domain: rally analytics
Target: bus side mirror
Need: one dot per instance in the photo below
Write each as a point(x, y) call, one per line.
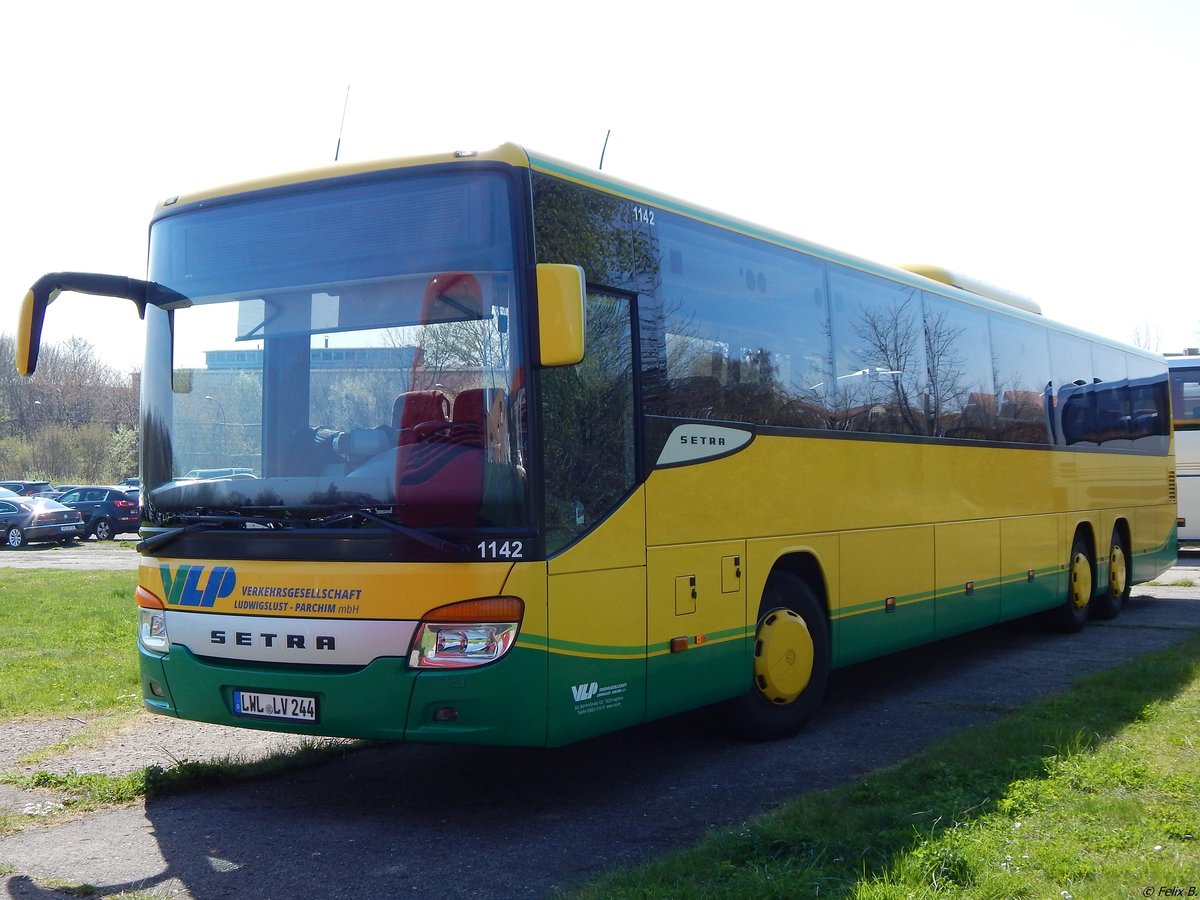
point(29, 329)
point(561, 318)
point(46, 288)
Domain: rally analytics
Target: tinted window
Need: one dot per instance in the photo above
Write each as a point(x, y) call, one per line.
point(1122, 406)
point(1070, 360)
point(334, 233)
point(745, 328)
point(1111, 399)
point(1071, 371)
point(879, 367)
point(1109, 364)
point(962, 398)
point(1021, 367)
point(1149, 405)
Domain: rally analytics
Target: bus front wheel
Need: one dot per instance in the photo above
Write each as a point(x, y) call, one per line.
point(791, 661)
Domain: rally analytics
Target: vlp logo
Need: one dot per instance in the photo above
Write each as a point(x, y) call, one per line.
point(189, 587)
point(584, 691)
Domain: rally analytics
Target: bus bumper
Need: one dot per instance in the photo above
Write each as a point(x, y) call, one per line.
point(503, 703)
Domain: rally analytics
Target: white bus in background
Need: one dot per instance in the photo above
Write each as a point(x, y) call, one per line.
point(1185, 412)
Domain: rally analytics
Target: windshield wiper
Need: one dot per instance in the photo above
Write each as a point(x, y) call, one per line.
point(201, 523)
point(215, 522)
point(422, 537)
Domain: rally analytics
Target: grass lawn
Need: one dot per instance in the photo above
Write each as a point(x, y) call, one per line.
point(67, 642)
point(1094, 793)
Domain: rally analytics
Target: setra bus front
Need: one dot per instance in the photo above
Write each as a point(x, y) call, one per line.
point(348, 360)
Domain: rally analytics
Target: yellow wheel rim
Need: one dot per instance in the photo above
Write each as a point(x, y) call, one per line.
point(1081, 580)
point(783, 656)
point(1117, 571)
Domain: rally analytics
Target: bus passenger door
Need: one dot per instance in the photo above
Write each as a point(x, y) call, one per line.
point(595, 515)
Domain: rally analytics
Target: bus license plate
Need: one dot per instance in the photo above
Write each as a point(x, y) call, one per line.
point(274, 706)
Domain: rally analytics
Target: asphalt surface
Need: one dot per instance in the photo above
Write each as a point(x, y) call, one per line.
point(485, 822)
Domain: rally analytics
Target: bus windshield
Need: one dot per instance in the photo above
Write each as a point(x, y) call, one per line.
point(351, 346)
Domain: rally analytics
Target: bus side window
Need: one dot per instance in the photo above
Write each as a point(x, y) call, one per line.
point(1021, 361)
point(880, 371)
point(745, 329)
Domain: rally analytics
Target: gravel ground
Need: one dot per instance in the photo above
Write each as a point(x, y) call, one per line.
point(143, 740)
point(89, 554)
point(111, 747)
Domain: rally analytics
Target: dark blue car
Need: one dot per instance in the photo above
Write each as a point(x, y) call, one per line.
point(107, 511)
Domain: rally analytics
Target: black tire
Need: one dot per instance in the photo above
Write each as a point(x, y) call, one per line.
point(14, 537)
point(103, 530)
point(1111, 597)
point(786, 688)
point(1081, 586)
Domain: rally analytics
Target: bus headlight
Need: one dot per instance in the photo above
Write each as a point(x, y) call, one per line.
point(152, 622)
point(470, 633)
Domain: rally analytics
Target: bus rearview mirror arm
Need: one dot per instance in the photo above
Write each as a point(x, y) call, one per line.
point(48, 287)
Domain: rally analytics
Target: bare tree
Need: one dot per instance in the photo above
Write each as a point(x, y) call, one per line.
point(75, 419)
point(1146, 336)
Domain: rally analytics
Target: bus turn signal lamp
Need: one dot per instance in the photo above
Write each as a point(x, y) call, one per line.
point(152, 622)
point(470, 633)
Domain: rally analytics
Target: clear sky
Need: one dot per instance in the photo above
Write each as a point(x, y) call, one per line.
point(1046, 146)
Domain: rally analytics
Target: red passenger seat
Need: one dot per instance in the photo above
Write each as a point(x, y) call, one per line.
point(427, 409)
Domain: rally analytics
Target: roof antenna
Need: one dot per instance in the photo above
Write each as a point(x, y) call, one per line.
point(337, 151)
point(605, 147)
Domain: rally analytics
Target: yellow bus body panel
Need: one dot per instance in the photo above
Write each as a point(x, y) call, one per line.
point(912, 540)
point(596, 628)
point(319, 590)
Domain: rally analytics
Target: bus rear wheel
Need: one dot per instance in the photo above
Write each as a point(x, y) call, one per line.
point(1073, 612)
point(1108, 603)
point(791, 661)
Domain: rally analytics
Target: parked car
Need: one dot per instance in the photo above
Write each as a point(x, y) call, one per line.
point(56, 492)
point(201, 474)
point(107, 511)
point(27, 488)
point(30, 520)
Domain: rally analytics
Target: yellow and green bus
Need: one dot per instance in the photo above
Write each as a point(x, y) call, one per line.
point(490, 448)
